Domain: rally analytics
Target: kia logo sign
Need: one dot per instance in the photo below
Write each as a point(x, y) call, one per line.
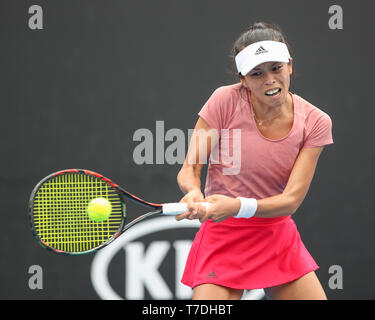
point(142, 265)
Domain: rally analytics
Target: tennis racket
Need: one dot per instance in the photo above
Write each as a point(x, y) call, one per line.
point(58, 211)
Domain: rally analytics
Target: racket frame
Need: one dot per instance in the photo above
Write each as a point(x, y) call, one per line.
point(122, 195)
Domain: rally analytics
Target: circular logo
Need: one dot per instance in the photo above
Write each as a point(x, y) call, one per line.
point(143, 264)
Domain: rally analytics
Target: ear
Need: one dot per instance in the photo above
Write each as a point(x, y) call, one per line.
point(290, 66)
point(243, 82)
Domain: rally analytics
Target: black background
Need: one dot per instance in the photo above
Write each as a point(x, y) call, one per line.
point(73, 94)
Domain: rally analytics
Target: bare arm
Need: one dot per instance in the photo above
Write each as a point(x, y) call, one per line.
point(189, 177)
point(222, 207)
point(286, 203)
point(296, 189)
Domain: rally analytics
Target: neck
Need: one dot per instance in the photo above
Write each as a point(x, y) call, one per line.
point(264, 112)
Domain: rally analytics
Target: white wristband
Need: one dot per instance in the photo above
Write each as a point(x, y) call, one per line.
point(248, 207)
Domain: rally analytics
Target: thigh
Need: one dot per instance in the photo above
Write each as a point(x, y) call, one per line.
point(307, 287)
point(208, 291)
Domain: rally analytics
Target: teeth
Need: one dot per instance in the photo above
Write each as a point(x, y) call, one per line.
point(272, 91)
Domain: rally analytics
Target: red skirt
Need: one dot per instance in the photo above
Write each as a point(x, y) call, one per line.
point(242, 253)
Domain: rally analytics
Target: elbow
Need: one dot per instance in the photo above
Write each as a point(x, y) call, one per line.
point(293, 205)
point(179, 177)
point(293, 210)
point(188, 175)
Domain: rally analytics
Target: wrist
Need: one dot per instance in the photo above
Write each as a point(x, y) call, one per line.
point(248, 207)
point(195, 192)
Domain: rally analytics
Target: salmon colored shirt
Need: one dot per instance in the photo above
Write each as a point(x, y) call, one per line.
point(247, 164)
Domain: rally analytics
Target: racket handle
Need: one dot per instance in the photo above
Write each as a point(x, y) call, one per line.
point(173, 209)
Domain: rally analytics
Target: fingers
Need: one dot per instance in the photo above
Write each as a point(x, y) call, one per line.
point(182, 216)
point(219, 206)
point(195, 211)
point(207, 210)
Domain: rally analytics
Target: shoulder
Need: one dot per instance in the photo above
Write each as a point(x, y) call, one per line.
point(227, 93)
point(221, 106)
point(310, 113)
point(227, 97)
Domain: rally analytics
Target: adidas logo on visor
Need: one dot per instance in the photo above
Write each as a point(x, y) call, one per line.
point(260, 50)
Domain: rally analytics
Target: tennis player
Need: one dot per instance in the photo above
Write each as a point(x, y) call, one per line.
point(248, 239)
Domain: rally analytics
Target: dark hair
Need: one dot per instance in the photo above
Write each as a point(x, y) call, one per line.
point(259, 31)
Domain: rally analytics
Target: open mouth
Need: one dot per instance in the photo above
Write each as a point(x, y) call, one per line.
point(273, 92)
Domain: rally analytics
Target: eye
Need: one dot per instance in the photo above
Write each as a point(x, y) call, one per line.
point(278, 67)
point(256, 74)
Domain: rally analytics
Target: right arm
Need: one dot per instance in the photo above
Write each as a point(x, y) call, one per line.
point(202, 141)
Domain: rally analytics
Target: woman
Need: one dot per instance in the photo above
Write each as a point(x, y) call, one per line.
point(247, 239)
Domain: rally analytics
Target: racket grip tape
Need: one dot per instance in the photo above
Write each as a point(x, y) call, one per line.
point(173, 209)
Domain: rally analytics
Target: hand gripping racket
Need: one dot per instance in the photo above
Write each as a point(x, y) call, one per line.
point(58, 211)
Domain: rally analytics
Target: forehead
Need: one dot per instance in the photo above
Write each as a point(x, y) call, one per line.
point(265, 65)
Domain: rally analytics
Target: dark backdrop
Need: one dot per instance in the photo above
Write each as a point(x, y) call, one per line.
point(73, 94)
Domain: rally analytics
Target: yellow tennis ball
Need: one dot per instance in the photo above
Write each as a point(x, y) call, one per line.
point(99, 209)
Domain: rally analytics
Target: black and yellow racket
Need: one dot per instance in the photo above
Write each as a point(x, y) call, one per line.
point(62, 211)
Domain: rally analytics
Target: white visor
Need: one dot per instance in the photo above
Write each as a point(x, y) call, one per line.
point(260, 52)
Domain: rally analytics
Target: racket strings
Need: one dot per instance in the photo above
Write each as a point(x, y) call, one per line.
point(60, 213)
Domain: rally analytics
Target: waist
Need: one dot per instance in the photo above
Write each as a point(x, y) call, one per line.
point(253, 221)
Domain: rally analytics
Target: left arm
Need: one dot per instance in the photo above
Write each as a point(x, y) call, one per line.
point(296, 189)
point(283, 204)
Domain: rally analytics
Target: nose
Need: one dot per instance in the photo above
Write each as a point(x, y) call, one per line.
point(269, 78)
